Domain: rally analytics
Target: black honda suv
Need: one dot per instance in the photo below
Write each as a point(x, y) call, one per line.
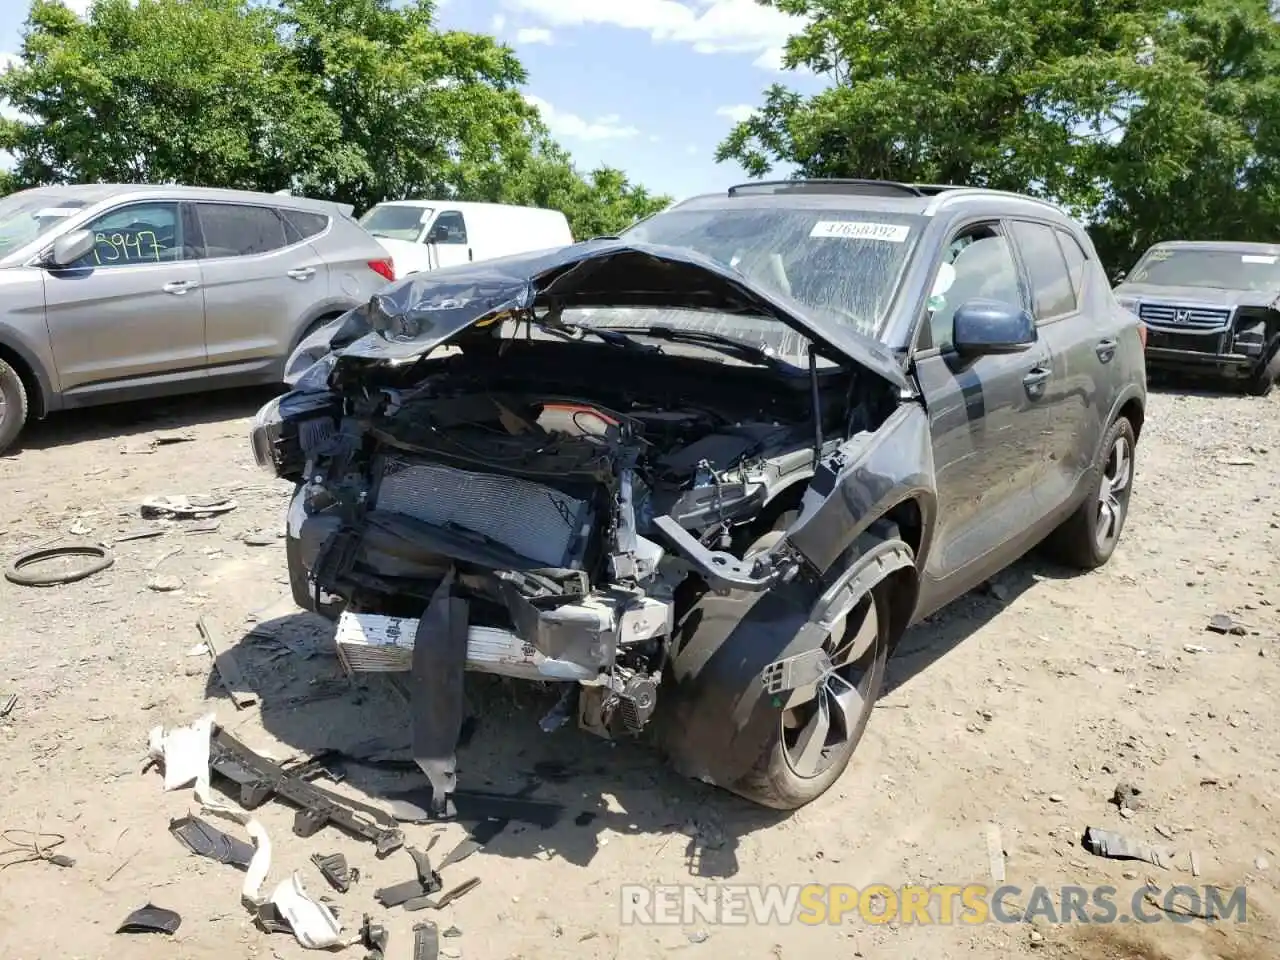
point(1210, 307)
point(704, 475)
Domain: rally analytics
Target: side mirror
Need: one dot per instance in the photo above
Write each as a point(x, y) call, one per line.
point(1120, 275)
point(70, 247)
point(983, 327)
point(436, 235)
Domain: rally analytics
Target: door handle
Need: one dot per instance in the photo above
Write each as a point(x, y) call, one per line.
point(1106, 349)
point(179, 287)
point(470, 255)
point(302, 273)
point(1034, 382)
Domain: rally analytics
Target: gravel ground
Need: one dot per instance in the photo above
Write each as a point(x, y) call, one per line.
point(1022, 706)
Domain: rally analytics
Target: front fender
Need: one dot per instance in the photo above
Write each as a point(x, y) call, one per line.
point(48, 398)
point(862, 482)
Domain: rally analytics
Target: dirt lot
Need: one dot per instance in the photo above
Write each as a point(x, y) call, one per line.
point(1021, 706)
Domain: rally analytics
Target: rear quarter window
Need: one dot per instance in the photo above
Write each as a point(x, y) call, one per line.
point(302, 225)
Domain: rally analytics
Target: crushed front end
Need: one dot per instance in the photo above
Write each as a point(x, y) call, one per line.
point(544, 504)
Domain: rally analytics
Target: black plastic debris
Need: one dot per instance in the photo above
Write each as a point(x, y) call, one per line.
point(446, 898)
point(426, 941)
point(151, 919)
point(259, 779)
point(334, 869)
point(416, 806)
point(374, 937)
point(205, 840)
point(425, 883)
point(438, 705)
point(1223, 623)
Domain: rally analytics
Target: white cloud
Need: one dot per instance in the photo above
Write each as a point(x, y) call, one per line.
point(771, 59)
point(530, 35)
point(564, 124)
point(737, 113)
point(499, 23)
point(709, 26)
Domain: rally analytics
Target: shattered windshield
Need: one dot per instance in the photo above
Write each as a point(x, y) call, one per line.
point(395, 221)
point(843, 265)
point(25, 217)
point(1218, 269)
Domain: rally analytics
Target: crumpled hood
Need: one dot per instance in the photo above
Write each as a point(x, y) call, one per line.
point(413, 316)
point(1193, 296)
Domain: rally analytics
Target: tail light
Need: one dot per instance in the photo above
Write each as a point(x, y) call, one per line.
point(1142, 334)
point(384, 268)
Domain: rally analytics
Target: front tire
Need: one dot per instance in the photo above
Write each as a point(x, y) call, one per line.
point(1087, 539)
point(815, 739)
point(13, 406)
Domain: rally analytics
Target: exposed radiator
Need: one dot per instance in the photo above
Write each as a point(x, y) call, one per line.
point(535, 521)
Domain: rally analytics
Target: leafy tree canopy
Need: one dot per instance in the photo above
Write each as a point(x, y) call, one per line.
point(1153, 120)
point(351, 100)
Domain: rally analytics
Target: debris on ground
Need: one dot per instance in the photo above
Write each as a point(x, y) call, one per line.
point(446, 898)
point(1114, 846)
point(414, 806)
point(425, 883)
point(151, 919)
point(206, 840)
point(228, 668)
point(33, 847)
point(1224, 623)
point(7, 703)
point(426, 941)
point(333, 867)
point(149, 533)
point(374, 937)
point(260, 538)
point(100, 559)
point(186, 508)
point(995, 853)
point(1126, 796)
point(260, 779)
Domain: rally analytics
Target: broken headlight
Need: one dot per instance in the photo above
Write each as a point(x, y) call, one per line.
point(264, 435)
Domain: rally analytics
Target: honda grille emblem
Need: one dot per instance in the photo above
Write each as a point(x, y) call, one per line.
point(1182, 316)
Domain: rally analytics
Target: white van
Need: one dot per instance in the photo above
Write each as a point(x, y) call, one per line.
point(427, 234)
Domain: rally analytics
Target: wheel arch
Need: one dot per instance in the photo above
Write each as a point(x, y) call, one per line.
point(33, 376)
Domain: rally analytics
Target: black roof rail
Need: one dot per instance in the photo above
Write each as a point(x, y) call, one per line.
point(933, 189)
point(874, 188)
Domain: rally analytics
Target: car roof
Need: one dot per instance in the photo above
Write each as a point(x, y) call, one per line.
point(886, 196)
point(463, 206)
point(1224, 246)
point(91, 193)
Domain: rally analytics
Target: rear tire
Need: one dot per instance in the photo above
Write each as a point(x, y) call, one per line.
point(1087, 539)
point(13, 406)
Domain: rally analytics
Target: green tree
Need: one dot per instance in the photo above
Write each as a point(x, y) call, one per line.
point(1121, 109)
point(600, 204)
point(352, 100)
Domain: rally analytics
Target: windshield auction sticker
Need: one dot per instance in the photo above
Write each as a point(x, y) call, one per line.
point(859, 230)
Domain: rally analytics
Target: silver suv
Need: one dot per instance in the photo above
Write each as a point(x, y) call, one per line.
point(114, 292)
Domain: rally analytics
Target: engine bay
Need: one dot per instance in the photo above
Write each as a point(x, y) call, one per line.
point(541, 474)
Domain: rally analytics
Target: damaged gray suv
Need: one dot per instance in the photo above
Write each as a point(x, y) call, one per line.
point(706, 474)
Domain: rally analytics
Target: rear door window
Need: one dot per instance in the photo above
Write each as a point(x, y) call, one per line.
point(137, 234)
point(1076, 260)
point(239, 230)
point(1052, 291)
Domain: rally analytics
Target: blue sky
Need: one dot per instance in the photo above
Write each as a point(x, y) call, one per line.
point(648, 86)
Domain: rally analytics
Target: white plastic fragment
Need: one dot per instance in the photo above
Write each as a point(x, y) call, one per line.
point(184, 754)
